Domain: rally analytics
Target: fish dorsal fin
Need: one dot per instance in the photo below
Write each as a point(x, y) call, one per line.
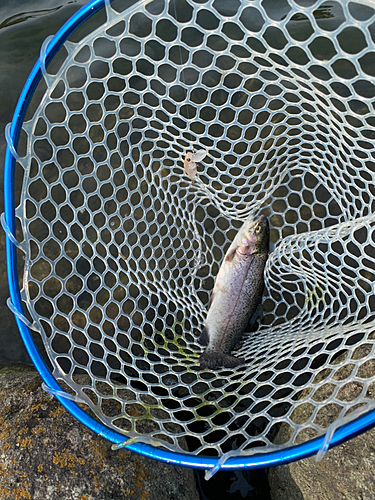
point(230, 255)
point(204, 338)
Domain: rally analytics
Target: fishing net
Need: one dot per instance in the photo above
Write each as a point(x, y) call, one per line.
point(121, 249)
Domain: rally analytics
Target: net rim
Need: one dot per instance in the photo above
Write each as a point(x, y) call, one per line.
point(257, 460)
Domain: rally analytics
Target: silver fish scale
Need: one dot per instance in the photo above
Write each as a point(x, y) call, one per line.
point(121, 249)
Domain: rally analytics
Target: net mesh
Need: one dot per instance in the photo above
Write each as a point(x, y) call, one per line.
point(122, 249)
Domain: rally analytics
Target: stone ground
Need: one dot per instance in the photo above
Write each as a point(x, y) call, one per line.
point(347, 472)
point(46, 454)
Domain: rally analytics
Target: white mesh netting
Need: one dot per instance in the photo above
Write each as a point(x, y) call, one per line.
point(121, 249)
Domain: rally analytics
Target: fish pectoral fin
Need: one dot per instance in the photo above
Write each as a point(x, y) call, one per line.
point(204, 338)
point(213, 359)
point(230, 255)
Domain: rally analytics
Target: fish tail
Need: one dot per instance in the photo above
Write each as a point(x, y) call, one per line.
point(213, 359)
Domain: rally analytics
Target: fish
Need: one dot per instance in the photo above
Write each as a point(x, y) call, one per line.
point(237, 294)
point(190, 162)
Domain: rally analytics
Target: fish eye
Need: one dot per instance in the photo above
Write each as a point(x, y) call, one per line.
point(258, 229)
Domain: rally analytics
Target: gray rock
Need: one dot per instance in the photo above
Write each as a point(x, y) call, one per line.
point(46, 454)
point(346, 471)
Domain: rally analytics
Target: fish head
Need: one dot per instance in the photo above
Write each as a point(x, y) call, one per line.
point(254, 236)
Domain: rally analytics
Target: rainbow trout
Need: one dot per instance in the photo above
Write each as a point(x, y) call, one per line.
point(237, 294)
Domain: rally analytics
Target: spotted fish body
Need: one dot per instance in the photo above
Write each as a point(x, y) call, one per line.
point(237, 294)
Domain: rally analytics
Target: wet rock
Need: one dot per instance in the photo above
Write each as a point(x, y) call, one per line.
point(46, 454)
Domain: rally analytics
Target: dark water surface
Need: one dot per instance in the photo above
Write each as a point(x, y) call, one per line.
point(24, 24)
point(234, 485)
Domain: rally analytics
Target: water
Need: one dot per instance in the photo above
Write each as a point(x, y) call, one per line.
point(23, 27)
point(234, 485)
